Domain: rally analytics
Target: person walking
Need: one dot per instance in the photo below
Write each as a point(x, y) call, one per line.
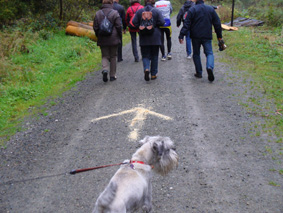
point(108, 44)
point(183, 12)
point(150, 43)
point(135, 6)
point(199, 22)
point(165, 7)
point(121, 11)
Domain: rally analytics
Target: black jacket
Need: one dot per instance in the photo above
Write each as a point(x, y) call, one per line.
point(121, 12)
point(183, 10)
point(158, 20)
point(199, 21)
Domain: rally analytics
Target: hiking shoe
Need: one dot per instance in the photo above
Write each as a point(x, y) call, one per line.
point(189, 56)
point(105, 73)
point(198, 75)
point(210, 75)
point(169, 56)
point(113, 78)
point(119, 60)
point(163, 58)
point(153, 77)
point(146, 75)
point(136, 60)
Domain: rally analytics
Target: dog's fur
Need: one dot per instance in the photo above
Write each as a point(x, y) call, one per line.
point(130, 187)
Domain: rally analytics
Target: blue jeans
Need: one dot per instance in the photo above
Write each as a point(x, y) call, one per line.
point(134, 44)
point(207, 47)
point(188, 44)
point(150, 58)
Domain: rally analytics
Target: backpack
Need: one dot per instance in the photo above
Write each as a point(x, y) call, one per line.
point(131, 25)
point(146, 24)
point(105, 27)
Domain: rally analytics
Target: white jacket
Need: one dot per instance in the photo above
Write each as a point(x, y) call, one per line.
point(166, 9)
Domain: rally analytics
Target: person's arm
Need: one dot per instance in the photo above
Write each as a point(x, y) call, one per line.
point(123, 19)
point(186, 26)
point(118, 23)
point(126, 17)
point(136, 19)
point(171, 8)
point(96, 25)
point(160, 20)
point(217, 25)
point(179, 17)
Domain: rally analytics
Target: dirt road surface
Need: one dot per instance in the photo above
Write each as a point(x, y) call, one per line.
point(222, 167)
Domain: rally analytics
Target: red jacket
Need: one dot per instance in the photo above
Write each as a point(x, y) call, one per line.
point(130, 13)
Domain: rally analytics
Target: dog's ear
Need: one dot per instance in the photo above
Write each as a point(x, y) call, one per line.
point(145, 140)
point(155, 147)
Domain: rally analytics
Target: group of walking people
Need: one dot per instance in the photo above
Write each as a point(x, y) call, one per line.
point(151, 22)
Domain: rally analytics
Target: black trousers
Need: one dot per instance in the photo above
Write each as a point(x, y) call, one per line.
point(119, 53)
point(168, 38)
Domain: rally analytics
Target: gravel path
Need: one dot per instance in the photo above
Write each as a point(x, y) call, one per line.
point(222, 167)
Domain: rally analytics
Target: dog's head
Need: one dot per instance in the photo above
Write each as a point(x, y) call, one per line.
point(162, 151)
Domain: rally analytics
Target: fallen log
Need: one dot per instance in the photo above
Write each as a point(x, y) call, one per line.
point(78, 24)
point(80, 31)
point(88, 23)
point(226, 27)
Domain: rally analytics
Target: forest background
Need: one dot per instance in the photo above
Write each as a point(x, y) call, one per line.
point(38, 62)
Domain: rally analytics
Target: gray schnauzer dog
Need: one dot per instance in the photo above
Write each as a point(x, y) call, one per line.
point(130, 188)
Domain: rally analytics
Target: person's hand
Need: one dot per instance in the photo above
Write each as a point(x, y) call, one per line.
point(181, 41)
point(221, 44)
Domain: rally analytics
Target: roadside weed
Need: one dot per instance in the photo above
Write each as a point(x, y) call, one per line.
point(257, 55)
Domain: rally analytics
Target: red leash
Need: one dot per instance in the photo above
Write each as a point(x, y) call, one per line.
point(93, 168)
point(99, 167)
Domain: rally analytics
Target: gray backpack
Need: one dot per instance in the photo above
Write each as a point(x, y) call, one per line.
point(105, 27)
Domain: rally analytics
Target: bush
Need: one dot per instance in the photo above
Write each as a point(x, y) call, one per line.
point(10, 11)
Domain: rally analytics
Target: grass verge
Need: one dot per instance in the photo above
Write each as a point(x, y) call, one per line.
point(256, 54)
point(43, 70)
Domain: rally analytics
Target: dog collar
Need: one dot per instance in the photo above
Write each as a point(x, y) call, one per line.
point(136, 161)
point(140, 162)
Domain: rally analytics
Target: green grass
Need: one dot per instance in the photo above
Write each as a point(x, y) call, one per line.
point(28, 80)
point(257, 55)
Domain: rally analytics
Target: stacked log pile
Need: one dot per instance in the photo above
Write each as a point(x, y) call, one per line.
point(81, 29)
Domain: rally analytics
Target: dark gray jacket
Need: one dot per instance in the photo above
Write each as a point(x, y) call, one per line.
point(158, 20)
point(199, 21)
point(114, 18)
point(121, 12)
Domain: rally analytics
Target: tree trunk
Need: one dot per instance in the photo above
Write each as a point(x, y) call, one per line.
point(61, 10)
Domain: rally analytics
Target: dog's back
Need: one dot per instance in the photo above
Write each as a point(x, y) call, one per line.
point(106, 198)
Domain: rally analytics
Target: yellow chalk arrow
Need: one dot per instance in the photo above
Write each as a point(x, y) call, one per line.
point(137, 121)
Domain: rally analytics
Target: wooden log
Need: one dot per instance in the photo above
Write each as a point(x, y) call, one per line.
point(226, 27)
point(78, 24)
point(80, 31)
point(88, 23)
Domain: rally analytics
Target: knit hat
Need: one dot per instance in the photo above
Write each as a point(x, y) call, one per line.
point(134, 1)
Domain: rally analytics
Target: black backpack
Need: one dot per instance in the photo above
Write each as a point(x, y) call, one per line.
point(105, 27)
point(146, 24)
